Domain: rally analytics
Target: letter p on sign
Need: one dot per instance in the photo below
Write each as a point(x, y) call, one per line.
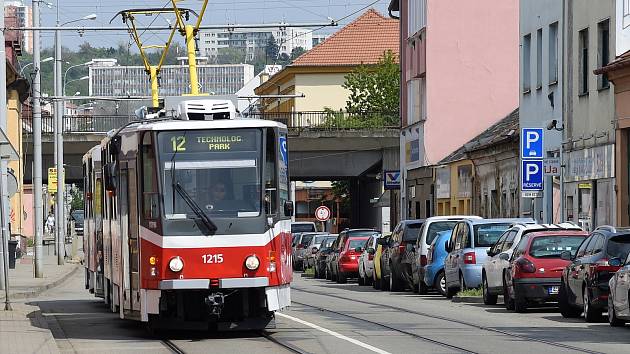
point(532, 143)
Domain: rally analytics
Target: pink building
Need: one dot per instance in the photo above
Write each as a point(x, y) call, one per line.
point(460, 75)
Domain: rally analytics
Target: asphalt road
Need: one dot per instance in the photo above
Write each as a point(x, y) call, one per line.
point(332, 318)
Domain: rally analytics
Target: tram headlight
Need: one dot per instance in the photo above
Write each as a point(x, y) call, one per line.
point(176, 264)
point(252, 262)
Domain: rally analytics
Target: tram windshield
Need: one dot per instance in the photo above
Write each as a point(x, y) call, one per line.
point(220, 170)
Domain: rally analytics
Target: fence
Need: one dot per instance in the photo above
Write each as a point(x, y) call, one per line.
point(79, 124)
point(332, 119)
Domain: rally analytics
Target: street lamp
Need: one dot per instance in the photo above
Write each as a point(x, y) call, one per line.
point(74, 80)
point(45, 60)
point(59, 111)
point(65, 74)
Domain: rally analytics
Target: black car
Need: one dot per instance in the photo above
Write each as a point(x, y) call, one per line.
point(321, 255)
point(397, 256)
point(584, 285)
point(77, 217)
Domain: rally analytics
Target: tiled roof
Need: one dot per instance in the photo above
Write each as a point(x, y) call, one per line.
point(364, 40)
point(622, 61)
point(504, 130)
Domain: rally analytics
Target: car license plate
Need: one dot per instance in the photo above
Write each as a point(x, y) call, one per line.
point(553, 290)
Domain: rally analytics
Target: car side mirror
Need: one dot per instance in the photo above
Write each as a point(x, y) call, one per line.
point(566, 255)
point(490, 253)
point(358, 249)
point(504, 256)
point(288, 208)
point(615, 262)
point(371, 250)
point(448, 247)
point(314, 250)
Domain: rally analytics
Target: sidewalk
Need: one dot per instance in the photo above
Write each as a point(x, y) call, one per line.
point(25, 329)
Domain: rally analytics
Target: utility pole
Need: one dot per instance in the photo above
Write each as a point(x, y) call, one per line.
point(37, 147)
point(59, 207)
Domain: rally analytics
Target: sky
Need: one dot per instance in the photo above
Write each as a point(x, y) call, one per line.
point(218, 12)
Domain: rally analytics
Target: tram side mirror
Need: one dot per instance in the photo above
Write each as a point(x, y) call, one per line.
point(288, 208)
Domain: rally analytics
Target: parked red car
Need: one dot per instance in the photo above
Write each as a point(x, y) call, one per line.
point(535, 270)
point(344, 260)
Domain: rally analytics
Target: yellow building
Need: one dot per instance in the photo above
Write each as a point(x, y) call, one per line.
point(454, 185)
point(319, 73)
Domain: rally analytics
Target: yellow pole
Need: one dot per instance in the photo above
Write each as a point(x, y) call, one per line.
point(154, 86)
point(192, 60)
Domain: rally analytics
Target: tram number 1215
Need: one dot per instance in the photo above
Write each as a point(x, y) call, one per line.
point(212, 258)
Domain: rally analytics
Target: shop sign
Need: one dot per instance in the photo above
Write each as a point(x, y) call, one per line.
point(591, 163)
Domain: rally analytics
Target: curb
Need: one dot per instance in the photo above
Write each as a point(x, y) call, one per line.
point(304, 275)
point(40, 289)
point(468, 299)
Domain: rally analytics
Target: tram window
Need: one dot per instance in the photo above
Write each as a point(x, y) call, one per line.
point(270, 173)
point(283, 171)
point(150, 196)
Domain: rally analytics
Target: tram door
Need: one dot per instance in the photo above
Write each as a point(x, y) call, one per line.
point(129, 230)
point(134, 248)
point(123, 200)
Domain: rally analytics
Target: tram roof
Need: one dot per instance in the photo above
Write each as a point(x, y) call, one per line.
point(203, 124)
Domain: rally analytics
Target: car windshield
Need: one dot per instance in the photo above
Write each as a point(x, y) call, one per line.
point(327, 243)
point(618, 247)
point(487, 235)
point(219, 170)
point(319, 239)
point(553, 246)
point(356, 242)
point(412, 231)
point(78, 216)
point(303, 228)
point(362, 233)
point(436, 227)
point(306, 239)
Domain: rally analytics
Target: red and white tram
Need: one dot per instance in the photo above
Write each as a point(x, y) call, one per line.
point(187, 221)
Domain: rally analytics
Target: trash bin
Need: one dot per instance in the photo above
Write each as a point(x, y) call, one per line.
point(12, 246)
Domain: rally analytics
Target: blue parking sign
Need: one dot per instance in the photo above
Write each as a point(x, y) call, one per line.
point(532, 175)
point(532, 143)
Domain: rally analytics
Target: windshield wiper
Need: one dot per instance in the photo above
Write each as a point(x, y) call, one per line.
point(210, 226)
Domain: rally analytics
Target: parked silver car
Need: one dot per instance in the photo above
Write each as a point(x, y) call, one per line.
point(366, 261)
point(312, 248)
point(299, 248)
point(468, 246)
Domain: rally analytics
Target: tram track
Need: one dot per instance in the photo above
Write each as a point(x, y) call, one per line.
point(394, 329)
point(175, 349)
point(433, 316)
point(172, 346)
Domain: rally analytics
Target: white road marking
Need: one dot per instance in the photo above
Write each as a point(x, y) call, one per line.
point(333, 333)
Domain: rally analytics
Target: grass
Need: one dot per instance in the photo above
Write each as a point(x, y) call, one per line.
point(470, 292)
point(309, 271)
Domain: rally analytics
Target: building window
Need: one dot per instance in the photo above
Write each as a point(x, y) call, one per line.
point(527, 49)
point(603, 52)
point(539, 56)
point(626, 13)
point(553, 53)
point(583, 62)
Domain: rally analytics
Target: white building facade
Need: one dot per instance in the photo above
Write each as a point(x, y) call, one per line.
point(25, 19)
point(251, 40)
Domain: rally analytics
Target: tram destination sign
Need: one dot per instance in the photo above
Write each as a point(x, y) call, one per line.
point(209, 141)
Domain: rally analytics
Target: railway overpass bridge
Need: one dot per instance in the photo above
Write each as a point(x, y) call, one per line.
point(316, 152)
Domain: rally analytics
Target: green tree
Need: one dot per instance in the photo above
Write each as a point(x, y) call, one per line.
point(375, 88)
point(230, 56)
point(272, 49)
point(296, 52)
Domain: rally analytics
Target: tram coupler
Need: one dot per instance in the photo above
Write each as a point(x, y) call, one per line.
point(215, 302)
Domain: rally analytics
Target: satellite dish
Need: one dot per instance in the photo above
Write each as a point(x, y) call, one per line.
point(12, 184)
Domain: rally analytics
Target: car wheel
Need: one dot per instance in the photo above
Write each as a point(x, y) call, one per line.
point(508, 301)
point(341, 278)
point(368, 280)
point(384, 282)
point(376, 283)
point(450, 292)
point(327, 274)
point(566, 310)
point(612, 315)
point(520, 304)
point(440, 283)
point(394, 282)
point(590, 314)
point(488, 298)
point(422, 287)
point(361, 280)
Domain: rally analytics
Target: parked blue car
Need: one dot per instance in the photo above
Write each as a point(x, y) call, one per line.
point(434, 270)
